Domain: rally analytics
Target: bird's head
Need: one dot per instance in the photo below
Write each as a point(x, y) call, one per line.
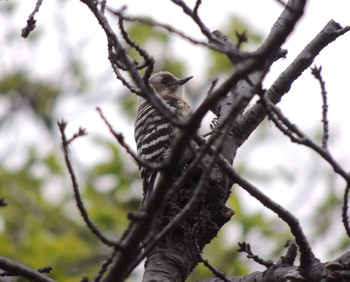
point(165, 83)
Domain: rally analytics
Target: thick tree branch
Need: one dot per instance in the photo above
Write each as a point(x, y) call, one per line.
point(243, 90)
point(283, 27)
point(330, 271)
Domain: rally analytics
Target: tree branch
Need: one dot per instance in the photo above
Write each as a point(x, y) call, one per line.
point(250, 120)
point(23, 270)
point(316, 72)
point(31, 21)
point(80, 204)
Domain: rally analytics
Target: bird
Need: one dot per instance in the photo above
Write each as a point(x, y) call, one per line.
point(153, 132)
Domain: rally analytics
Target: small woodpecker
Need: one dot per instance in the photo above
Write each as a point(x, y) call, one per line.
point(153, 132)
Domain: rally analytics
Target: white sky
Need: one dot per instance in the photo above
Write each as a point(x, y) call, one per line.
point(303, 106)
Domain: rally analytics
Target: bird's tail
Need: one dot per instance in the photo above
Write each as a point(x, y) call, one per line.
point(148, 186)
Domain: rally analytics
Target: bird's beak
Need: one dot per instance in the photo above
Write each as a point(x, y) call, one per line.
point(184, 80)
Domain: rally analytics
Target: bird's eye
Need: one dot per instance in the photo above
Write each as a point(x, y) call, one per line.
point(165, 80)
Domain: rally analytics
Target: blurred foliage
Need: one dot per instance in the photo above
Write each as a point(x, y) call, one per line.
point(25, 92)
point(41, 225)
point(52, 232)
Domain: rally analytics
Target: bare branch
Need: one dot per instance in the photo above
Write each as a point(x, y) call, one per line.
point(152, 23)
point(207, 264)
point(117, 66)
point(20, 269)
point(196, 7)
point(148, 60)
point(293, 130)
point(80, 204)
point(120, 138)
point(233, 53)
point(241, 38)
point(249, 121)
point(118, 57)
point(31, 21)
point(245, 248)
point(194, 15)
point(290, 256)
point(105, 265)
point(307, 256)
point(298, 137)
point(316, 72)
point(283, 27)
point(44, 269)
point(250, 72)
point(345, 217)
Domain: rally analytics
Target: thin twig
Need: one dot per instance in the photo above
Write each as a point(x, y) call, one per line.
point(31, 21)
point(246, 248)
point(105, 265)
point(303, 139)
point(116, 49)
point(215, 271)
point(345, 209)
point(241, 38)
point(250, 120)
point(114, 60)
point(306, 252)
point(194, 15)
point(316, 72)
point(291, 254)
point(120, 138)
point(80, 204)
point(307, 255)
point(20, 269)
point(295, 137)
point(44, 269)
point(298, 137)
point(148, 60)
point(152, 23)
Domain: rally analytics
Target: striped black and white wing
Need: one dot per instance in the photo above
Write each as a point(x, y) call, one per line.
point(154, 135)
